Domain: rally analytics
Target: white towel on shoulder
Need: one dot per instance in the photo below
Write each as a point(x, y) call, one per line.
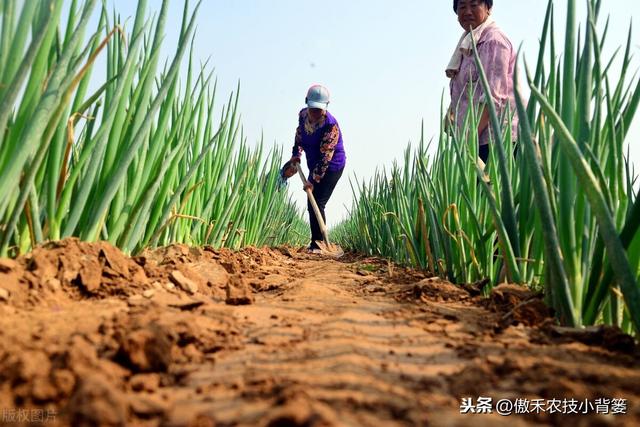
point(465, 46)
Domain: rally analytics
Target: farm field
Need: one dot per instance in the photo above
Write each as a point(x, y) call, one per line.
point(155, 266)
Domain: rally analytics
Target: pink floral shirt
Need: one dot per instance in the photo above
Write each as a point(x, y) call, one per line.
point(498, 60)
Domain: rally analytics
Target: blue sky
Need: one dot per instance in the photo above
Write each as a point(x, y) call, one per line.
point(382, 60)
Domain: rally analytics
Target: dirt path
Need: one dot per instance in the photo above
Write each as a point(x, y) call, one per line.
point(280, 338)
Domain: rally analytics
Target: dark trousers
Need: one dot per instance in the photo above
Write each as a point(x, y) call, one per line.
point(483, 152)
point(321, 192)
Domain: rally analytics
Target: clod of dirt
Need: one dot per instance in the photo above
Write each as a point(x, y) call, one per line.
point(195, 335)
point(183, 282)
point(64, 381)
point(53, 284)
point(189, 269)
point(609, 337)
point(475, 288)
point(96, 402)
point(147, 406)
point(180, 302)
point(145, 382)
point(238, 291)
point(90, 275)
point(28, 373)
point(439, 290)
point(10, 274)
point(80, 355)
point(79, 269)
point(137, 301)
point(210, 272)
point(231, 266)
point(518, 305)
point(170, 255)
point(147, 349)
point(287, 251)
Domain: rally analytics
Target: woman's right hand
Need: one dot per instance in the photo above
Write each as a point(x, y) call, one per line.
point(291, 167)
point(289, 171)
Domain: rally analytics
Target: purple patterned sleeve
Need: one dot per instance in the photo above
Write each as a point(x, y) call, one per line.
point(327, 147)
point(297, 145)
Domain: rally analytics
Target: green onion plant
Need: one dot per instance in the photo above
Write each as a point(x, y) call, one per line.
point(137, 159)
point(556, 210)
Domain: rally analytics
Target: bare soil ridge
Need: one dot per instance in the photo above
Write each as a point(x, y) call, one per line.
point(183, 336)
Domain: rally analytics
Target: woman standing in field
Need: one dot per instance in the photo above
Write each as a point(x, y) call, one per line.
point(319, 136)
point(498, 60)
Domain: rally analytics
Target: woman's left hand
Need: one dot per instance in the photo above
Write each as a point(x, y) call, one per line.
point(308, 186)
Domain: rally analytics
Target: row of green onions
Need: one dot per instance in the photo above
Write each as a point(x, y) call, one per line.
point(560, 215)
point(140, 161)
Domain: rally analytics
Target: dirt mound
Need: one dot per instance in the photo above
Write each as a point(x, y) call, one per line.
point(95, 334)
point(70, 269)
point(113, 367)
point(79, 270)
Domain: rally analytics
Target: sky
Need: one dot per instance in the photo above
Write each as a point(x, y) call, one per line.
point(383, 62)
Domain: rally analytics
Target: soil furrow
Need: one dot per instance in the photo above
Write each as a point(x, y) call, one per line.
point(313, 342)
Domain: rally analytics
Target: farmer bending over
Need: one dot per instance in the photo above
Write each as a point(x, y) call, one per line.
point(319, 136)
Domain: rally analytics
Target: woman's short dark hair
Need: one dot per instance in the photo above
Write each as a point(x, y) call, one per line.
point(489, 4)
